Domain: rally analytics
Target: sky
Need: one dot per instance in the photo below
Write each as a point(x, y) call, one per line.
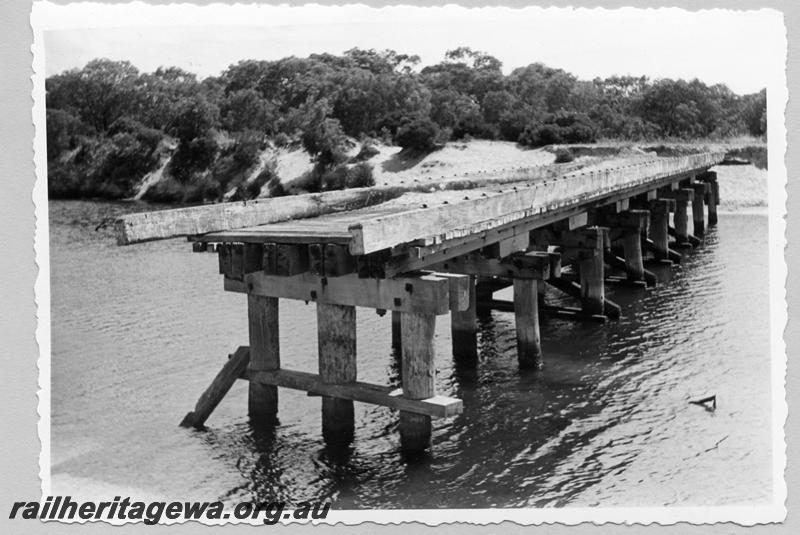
point(737, 48)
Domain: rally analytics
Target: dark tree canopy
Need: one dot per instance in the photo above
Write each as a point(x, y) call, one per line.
point(105, 117)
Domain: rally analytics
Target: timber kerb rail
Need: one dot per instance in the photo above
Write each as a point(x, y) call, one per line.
point(430, 249)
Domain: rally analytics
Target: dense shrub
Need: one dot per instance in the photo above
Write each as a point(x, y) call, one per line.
point(99, 143)
point(194, 117)
point(560, 128)
point(367, 151)
point(325, 141)
point(64, 131)
point(360, 176)
point(127, 158)
point(564, 155)
point(194, 155)
point(417, 134)
point(344, 176)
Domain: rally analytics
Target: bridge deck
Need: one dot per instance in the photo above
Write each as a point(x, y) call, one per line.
point(423, 218)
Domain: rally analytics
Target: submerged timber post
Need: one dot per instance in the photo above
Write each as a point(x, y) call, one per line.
point(336, 330)
point(417, 377)
point(659, 227)
point(262, 315)
point(698, 211)
point(463, 327)
point(526, 314)
point(682, 198)
point(712, 197)
point(634, 265)
point(592, 278)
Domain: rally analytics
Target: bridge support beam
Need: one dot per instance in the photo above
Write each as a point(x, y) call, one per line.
point(712, 196)
point(526, 314)
point(659, 227)
point(464, 329)
point(628, 227)
point(698, 211)
point(396, 338)
point(418, 373)
point(592, 276)
point(262, 315)
point(681, 216)
point(336, 340)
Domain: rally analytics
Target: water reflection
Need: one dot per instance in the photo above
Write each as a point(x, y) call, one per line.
point(138, 332)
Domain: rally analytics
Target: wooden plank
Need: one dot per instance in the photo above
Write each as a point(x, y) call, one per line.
point(387, 396)
point(565, 313)
point(418, 258)
point(222, 383)
point(271, 234)
point(534, 265)
point(389, 230)
point(336, 341)
point(262, 315)
point(134, 228)
point(672, 255)
point(613, 260)
point(425, 293)
point(573, 289)
point(478, 236)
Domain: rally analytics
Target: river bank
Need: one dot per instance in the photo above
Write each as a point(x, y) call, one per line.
point(289, 170)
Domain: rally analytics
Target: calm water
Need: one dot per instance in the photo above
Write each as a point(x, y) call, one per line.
point(138, 332)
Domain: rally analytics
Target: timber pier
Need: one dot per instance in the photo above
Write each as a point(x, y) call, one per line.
point(431, 248)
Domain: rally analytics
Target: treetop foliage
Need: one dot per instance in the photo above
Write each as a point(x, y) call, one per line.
point(321, 100)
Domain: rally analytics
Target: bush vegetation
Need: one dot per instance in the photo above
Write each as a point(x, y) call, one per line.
point(109, 124)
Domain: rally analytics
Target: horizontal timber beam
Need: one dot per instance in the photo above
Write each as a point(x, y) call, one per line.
point(422, 293)
point(566, 192)
point(220, 218)
point(387, 396)
point(534, 265)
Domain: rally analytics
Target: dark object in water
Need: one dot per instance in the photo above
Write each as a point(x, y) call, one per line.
point(712, 399)
point(735, 161)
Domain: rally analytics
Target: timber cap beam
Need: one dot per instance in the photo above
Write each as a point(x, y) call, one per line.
point(424, 293)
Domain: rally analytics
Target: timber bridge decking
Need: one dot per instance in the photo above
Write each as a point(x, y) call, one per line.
point(429, 248)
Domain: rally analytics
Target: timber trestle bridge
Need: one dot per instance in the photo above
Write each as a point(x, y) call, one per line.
point(427, 249)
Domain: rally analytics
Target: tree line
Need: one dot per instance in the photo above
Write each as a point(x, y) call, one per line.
point(108, 124)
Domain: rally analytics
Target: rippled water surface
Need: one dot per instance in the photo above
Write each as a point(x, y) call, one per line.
point(138, 332)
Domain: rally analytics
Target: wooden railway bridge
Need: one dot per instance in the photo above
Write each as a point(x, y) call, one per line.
point(430, 248)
